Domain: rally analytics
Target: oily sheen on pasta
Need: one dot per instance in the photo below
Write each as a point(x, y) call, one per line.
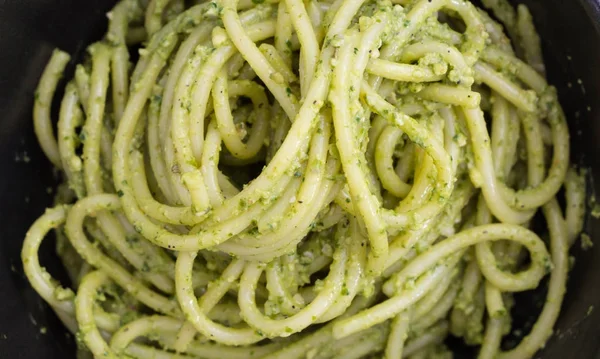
point(306, 179)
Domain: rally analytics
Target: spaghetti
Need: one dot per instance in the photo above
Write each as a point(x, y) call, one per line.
point(290, 179)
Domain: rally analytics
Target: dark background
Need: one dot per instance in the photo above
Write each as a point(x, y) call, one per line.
point(31, 29)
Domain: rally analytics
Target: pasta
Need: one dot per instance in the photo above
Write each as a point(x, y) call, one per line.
point(306, 179)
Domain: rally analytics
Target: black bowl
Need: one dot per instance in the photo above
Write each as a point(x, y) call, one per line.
point(31, 29)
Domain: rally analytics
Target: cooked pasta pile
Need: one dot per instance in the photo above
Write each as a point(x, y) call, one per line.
point(306, 179)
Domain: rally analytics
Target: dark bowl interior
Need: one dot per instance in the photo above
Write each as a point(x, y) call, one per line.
point(31, 29)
